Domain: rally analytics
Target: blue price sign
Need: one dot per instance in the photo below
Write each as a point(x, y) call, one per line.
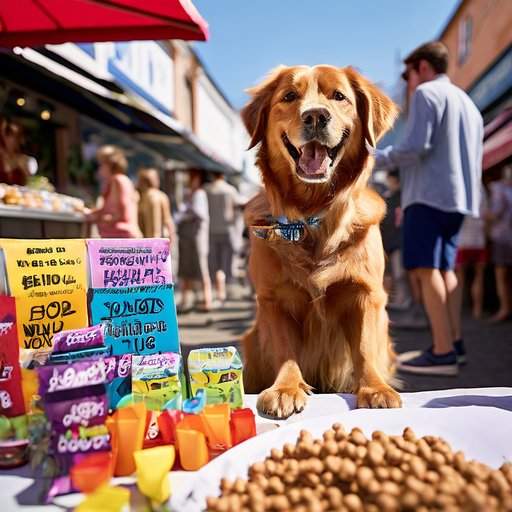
point(140, 320)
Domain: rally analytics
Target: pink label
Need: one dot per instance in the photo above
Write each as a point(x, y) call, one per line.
point(121, 263)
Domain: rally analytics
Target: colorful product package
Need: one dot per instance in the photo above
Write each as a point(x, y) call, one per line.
point(79, 412)
point(119, 378)
point(64, 377)
point(76, 405)
point(11, 395)
point(79, 339)
point(159, 379)
point(78, 424)
point(219, 371)
point(86, 353)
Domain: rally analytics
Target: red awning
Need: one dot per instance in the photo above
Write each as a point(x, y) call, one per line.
point(498, 146)
point(38, 22)
point(497, 122)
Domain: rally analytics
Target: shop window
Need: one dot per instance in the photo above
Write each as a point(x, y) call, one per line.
point(465, 35)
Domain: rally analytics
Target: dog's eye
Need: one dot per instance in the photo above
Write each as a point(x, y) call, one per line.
point(290, 96)
point(339, 96)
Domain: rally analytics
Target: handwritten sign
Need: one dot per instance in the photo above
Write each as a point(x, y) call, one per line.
point(11, 396)
point(140, 320)
point(39, 319)
point(121, 263)
point(45, 268)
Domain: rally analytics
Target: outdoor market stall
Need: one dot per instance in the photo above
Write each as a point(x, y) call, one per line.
point(39, 214)
point(93, 387)
point(441, 412)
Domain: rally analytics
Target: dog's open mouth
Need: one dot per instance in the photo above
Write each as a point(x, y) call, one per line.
point(313, 159)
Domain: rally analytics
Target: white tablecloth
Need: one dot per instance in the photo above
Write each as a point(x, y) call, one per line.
point(13, 485)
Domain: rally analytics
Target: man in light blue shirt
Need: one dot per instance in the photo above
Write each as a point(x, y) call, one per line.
point(440, 161)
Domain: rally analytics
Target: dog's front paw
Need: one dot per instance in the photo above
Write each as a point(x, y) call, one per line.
point(280, 402)
point(383, 397)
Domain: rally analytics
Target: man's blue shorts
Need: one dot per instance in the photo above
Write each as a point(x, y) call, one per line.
point(430, 237)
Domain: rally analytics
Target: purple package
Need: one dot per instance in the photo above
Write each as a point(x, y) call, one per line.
point(63, 377)
point(78, 427)
point(78, 412)
point(95, 438)
point(79, 339)
point(118, 366)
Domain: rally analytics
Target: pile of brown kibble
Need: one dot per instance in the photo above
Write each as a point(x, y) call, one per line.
point(348, 472)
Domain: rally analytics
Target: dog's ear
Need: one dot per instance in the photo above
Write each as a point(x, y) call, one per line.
point(376, 111)
point(255, 113)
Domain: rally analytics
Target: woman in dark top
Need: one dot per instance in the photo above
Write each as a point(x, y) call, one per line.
point(13, 163)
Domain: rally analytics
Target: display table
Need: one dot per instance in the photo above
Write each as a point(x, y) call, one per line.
point(18, 490)
point(22, 222)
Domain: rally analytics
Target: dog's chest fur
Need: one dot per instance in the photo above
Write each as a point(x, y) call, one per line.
point(324, 354)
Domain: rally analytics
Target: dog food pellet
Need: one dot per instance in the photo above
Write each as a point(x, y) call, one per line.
point(349, 472)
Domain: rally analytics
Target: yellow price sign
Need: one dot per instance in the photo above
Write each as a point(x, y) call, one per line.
point(39, 319)
point(45, 268)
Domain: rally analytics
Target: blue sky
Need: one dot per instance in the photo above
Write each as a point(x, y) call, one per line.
point(250, 37)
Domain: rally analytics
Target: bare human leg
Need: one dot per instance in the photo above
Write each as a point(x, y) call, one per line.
point(477, 290)
point(207, 292)
point(434, 294)
point(502, 288)
point(186, 293)
point(220, 285)
point(456, 302)
point(454, 307)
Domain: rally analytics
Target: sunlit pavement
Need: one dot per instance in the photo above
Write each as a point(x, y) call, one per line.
point(489, 346)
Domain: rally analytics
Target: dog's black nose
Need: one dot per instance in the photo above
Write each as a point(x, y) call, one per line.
point(316, 118)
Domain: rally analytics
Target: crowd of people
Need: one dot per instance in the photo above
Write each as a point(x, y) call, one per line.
point(441, 220)
point(442, 231)
point(203, 230)
point(482, 241)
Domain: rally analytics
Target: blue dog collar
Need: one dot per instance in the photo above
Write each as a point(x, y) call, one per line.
point(282, 228)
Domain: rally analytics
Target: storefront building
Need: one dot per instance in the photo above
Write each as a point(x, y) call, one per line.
point(154, 99)
point(479, 39)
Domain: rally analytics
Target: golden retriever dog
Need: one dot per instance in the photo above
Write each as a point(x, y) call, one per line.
point(321, 322)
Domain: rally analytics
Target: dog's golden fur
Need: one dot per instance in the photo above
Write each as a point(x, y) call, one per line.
point(321, 321)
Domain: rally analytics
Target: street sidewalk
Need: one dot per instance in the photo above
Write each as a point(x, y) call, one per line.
point(489, 346)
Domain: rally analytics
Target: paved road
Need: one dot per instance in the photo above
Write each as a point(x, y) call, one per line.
point(489, 346)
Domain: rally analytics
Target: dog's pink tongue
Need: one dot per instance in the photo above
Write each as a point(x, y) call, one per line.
point(314, 158)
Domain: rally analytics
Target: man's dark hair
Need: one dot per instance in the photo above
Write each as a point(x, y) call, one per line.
point(435, 53)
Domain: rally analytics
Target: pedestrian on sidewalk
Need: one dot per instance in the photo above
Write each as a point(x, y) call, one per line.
point(500, 215)
point(395, 279)
point(117, 216)
point(472, 253)
point(223, 200)
point(193, 222)
point(440, 169)
point(155, 219)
